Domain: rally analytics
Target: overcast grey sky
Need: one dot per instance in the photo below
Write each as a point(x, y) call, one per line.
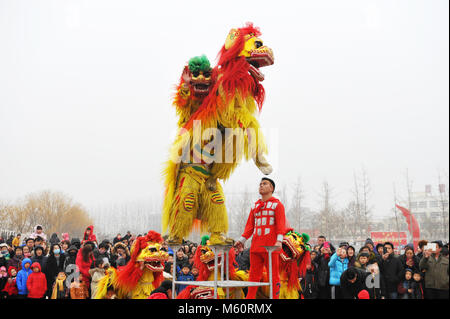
point(85, 93)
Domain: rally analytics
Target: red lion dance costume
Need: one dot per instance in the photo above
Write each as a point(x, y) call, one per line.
point(142, 274)
point(193, 195)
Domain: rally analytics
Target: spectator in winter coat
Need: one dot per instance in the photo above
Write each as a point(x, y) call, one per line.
point(16, 241)
point(417, 286)
point(55, 264)
point(102, 252)
point(404, 287)
point(409, 260)
point(85, 258)
point(369, 243)
point(39, 257)
point(59, 287)
point(38, 232)
point(323, 271)
point(351, 256)
point(352, 281)
point(362, 262)
point(54, 239)
point(338, 264)
point(4, 254)
point(89, 235)
point(120, 255)
point(70, 260)
point(36, 282)
point(184, 275)
point(76, 242)
point(437, 273)
point(308, 283)
point(10, 290)
point(391, 269)
point(422, 243)
point(65, 244)
point(16, 260)
point(96, 274)
point(22, 276)
point(379, 250)
point(3, 277)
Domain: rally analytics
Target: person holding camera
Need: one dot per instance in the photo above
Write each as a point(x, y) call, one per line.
point(436, 271)
point(392, 270)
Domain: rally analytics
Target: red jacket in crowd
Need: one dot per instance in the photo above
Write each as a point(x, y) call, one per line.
point(91, 236)
point(10, 286)
point(36, 283)
point(267, 224)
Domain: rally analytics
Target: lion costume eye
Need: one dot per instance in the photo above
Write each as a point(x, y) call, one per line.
point(258, 44)
point(153, 249)
point(196, 73)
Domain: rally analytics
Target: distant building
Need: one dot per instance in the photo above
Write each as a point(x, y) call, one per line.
point(428, 205)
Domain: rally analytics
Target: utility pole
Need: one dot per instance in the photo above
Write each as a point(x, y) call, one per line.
point(395, 212)
point(443, 196)
point(408, 185)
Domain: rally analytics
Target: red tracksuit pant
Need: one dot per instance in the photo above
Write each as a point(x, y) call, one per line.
point(257, 263)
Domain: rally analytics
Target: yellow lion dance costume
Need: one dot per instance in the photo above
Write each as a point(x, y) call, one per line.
point(142, 274)
point(218, 128)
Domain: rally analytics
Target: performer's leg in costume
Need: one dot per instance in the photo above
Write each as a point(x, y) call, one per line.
point(214, 214)
point(185, 204)
point(257, 262)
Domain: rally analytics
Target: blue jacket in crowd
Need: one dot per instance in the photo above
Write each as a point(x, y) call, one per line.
point(337, 267)
point(22, 276)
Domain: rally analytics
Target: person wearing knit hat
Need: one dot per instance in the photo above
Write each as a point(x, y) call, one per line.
point(369, 243)
point(404, 287)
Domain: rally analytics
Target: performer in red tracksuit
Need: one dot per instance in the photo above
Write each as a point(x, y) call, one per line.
point(267, 223)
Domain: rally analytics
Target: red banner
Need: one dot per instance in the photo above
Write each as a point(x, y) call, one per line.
point(392, 237)
point(413, 225)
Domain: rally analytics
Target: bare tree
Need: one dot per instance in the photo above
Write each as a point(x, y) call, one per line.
point(327, 211)
point(295, 213)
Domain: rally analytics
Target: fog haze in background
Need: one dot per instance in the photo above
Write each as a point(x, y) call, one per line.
point(86, 88)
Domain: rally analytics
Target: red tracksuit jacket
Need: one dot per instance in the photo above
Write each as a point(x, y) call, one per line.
point(266, 223)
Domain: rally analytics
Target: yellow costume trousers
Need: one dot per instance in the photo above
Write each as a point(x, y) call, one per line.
point(194, 202)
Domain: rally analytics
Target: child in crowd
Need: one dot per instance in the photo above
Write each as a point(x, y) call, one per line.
point(10, 290)
point(22, 277)
point(404, 287)
point(97, 274)
point(59, 289)
point(3, 277)
point(416, 285)
point(184, 275)
point(36, 282)
point(362, 261)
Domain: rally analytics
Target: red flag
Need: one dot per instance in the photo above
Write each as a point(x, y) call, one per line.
point(414, 228)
